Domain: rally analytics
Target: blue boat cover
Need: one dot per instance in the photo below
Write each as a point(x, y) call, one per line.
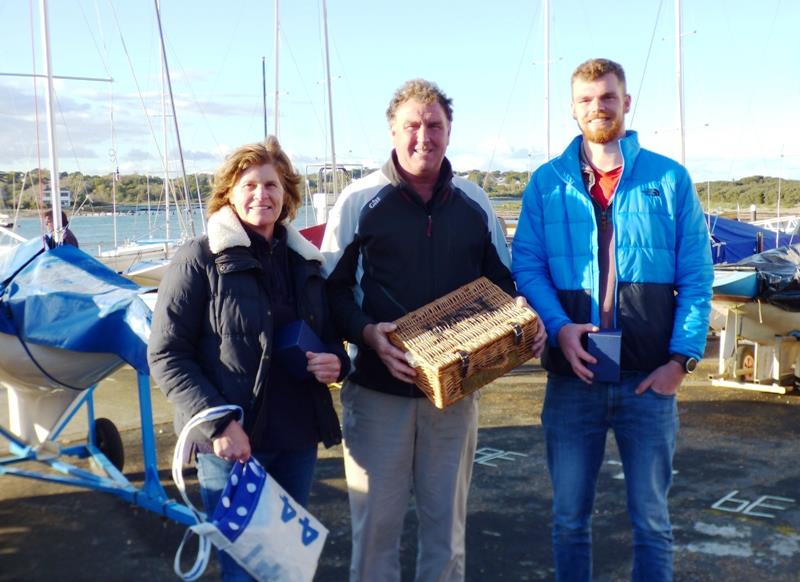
point(64, 298)
point(732, 241)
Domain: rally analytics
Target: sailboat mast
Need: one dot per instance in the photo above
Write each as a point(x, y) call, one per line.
point(164, 127)
point(55, 185)
point(264, 93)
point(679, 78)
point(184, 180)
point(277, 64)
point(546, 80)
point(330, 94)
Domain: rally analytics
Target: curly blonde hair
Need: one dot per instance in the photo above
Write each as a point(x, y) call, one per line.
point(593, 69)
point(423, 91)
point(257, 154)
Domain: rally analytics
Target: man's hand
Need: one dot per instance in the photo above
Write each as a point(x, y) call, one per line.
point(232, 444)
point(393, 358)
point(664, 380)
point(569, 339)
point(541, 332)
point(324, 366)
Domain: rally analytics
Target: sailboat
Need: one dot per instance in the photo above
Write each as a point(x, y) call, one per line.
point(146, 261)
point(331, 175)
point(66, 322)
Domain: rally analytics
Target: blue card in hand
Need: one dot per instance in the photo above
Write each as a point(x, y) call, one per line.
point(292, 341)
point(605, 345)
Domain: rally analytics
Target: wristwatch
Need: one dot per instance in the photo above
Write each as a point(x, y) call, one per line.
point(688, 363)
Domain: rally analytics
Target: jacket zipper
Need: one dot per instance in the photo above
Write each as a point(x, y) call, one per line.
point(613, 221)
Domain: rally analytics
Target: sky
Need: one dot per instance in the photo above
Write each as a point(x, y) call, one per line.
point(740, 76)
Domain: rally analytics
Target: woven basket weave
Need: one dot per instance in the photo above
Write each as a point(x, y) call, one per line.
point(465, 339)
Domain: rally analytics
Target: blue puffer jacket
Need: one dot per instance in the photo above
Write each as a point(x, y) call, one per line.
point(663, 263)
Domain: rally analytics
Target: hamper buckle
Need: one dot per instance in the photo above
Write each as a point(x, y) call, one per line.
point(517, 333)
point(464, 362)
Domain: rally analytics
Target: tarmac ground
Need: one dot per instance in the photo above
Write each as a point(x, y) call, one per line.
point(735, 501)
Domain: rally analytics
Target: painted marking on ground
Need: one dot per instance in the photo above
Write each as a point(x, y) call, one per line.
point(733, 504)
point(486, 454)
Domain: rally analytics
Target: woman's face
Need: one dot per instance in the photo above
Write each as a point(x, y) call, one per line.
point(257, 198)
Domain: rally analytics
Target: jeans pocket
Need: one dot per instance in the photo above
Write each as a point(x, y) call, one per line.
point(660, 395)
point(212, 472)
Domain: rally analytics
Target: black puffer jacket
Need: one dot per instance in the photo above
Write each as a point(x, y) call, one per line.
point(211, 340)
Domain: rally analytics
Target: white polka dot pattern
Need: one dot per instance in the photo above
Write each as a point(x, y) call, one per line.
point(239, 499)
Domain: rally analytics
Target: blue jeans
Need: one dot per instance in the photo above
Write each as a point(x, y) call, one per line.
point(576, 418)
point(293, 470)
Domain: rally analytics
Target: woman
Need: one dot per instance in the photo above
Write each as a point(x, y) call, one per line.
point(219, 306)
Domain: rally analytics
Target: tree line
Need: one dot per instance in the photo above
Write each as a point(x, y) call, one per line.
point(22, 189)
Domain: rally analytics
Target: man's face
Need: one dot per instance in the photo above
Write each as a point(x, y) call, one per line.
point(420, 134)
point(599, 107)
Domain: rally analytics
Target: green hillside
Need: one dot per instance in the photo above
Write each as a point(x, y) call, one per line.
point(133, 189)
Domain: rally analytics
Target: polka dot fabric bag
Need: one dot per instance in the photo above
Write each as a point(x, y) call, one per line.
point(256, 522)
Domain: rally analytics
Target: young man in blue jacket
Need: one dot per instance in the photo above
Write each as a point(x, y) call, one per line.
point(612, 237)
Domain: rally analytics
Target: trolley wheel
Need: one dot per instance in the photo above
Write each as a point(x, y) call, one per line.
point(109, 442)
point(746, 358)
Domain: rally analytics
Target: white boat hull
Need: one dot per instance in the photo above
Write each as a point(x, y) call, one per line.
point(36, 403)
point(123, 259)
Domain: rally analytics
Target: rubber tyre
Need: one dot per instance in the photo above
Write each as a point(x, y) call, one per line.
point(109, 442)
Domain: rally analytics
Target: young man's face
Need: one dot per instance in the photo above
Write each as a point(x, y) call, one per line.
point(420, 134)
point(599, 107)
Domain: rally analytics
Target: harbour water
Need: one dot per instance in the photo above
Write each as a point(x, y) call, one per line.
point(96, 232)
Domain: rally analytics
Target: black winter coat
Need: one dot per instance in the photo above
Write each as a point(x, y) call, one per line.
point(212, 332)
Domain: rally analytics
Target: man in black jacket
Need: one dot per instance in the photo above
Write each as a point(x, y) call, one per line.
point(397, 240)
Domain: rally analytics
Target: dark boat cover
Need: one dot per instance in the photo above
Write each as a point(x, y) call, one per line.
point(778, 272)
point(62, 297)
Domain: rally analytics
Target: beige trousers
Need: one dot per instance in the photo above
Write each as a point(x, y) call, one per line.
point(396, 446)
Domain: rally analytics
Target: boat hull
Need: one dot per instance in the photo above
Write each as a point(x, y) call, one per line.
point(38, 402)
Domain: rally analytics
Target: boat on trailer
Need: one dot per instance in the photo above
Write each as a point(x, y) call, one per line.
point(66, 322)
point(756, 310)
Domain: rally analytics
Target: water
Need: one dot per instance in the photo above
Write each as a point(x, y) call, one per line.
point(95, 233)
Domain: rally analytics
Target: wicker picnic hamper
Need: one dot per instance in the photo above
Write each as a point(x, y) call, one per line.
point(465, 339)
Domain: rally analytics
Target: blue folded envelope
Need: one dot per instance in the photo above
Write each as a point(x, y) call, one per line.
point(292, 341)
point(605, 345)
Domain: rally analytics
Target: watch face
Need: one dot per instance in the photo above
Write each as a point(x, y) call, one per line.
point(690, 365)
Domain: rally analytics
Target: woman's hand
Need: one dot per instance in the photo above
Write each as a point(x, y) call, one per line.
point(325, 367)
point(232, 444)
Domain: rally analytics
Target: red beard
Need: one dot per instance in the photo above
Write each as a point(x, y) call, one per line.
point(603, 135)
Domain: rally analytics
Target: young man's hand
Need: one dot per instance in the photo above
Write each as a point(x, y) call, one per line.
point(569, 339)
point(664, 380)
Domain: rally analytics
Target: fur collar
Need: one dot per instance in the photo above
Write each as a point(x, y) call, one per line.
point(225, 231)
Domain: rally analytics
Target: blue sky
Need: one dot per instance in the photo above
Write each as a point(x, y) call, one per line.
point(740, 75)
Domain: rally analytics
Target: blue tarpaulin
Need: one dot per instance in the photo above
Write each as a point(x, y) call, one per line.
point(732, 241)
point(64, 298)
